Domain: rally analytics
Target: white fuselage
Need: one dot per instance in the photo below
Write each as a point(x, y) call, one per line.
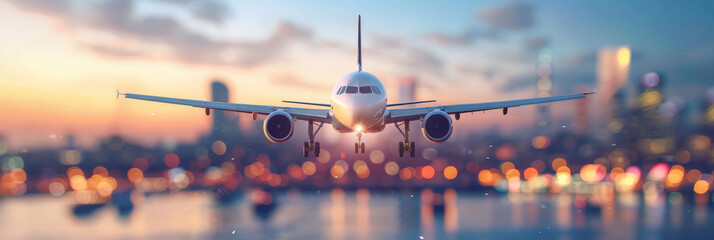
point(358, 103)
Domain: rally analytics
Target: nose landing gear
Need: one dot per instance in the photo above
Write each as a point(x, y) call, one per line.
point(405, 146)
point(359, 145)
point(312, 146)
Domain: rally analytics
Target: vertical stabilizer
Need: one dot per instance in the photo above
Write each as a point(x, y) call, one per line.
point(359, 42)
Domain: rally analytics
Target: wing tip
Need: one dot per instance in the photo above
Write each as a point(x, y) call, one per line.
point(592, 92)
point(119, 93)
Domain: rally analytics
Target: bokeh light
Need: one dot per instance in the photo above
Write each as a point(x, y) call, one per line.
point(450, 172)
point(427, 172)
point(219, 147)
point(391, 168)
point(171, 160)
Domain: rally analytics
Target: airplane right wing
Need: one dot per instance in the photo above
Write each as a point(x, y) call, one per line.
point(409, 114)
point(317, 115)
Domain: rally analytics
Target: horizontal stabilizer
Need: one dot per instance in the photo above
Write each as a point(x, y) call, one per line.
point(409, 103)
point(309, 103)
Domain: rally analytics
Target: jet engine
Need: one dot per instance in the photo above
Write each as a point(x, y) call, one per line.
point(278, 126)
point(436, 126)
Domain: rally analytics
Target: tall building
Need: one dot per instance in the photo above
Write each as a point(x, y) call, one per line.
point(407, 89)
point(708, 107)
point(3, 146)
point(649, 129)
point(222, 124)
point(613, 70)
point(544, 85)
point(581, 114)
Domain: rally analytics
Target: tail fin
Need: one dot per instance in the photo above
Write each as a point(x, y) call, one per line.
point(359, 42)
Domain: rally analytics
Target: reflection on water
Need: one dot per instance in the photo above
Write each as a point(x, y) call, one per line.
point(361, 214)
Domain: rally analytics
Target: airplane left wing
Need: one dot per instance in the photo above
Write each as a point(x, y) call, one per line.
point(409, 114)
point(317, 115)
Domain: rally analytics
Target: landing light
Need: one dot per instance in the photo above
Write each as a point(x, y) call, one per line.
point(358, 128)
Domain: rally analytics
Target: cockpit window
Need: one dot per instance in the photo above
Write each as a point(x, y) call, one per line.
point(365, 89)
point(351, 89)
point(375, 89)
point(341, 90)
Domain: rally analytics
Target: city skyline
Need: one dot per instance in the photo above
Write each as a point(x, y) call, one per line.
point(75, 97)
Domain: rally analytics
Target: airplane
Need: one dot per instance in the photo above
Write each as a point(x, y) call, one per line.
point(358, 105)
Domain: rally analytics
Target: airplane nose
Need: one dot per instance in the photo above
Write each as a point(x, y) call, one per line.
point(364, 112)
point(364, 116)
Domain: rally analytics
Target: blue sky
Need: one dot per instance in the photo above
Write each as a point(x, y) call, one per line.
point(662, 34)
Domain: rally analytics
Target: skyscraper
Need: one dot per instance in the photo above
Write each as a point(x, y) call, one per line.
point(407, 89)
point(613, 69)
point(543, 85)
point(709, 108)
point(582, 126)
point(222, 125)
point(649, 129)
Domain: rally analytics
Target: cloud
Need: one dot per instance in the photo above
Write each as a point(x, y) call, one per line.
point(114, 50)
point(422, 59)
point(388, 42)
point(588, 59)
point(212, 11)
point(468, 69)
point(534, 43)
point(292, 80)
point(52, 8)
point(506, 57)
point(118, 18)
point(519, 83)
point(511, 16)
point(408, 57)
point(464, 38)
point(583, 59)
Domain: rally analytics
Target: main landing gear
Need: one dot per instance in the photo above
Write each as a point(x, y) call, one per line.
point(405, 146)
point(359, 146)
point(312, 146)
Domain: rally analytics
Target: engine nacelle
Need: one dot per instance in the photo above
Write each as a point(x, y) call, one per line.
point(278, 126)
point(436, 126)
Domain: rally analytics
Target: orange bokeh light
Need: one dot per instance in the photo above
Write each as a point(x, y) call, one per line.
point(530, 173)
point(101, 171)
point(507, 166)
point(505, 152)
point(701, 187)
point(513, 173)
point(593, 173)
point(540, 142)
point(427, 172)
point(558, 162)
point(337, 171)
point(135, 175)
point(71, 172)
point(309, 168)
point(450, 172)
point(18, 175)
point(406, 173)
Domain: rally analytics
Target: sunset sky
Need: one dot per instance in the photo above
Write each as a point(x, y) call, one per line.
point(61, 60)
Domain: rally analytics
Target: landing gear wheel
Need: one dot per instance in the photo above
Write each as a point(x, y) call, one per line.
point(356, 147)
point(362, 147)
point(312, 146)
point(412, 150)
point(401, 149)
point(317, 149)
